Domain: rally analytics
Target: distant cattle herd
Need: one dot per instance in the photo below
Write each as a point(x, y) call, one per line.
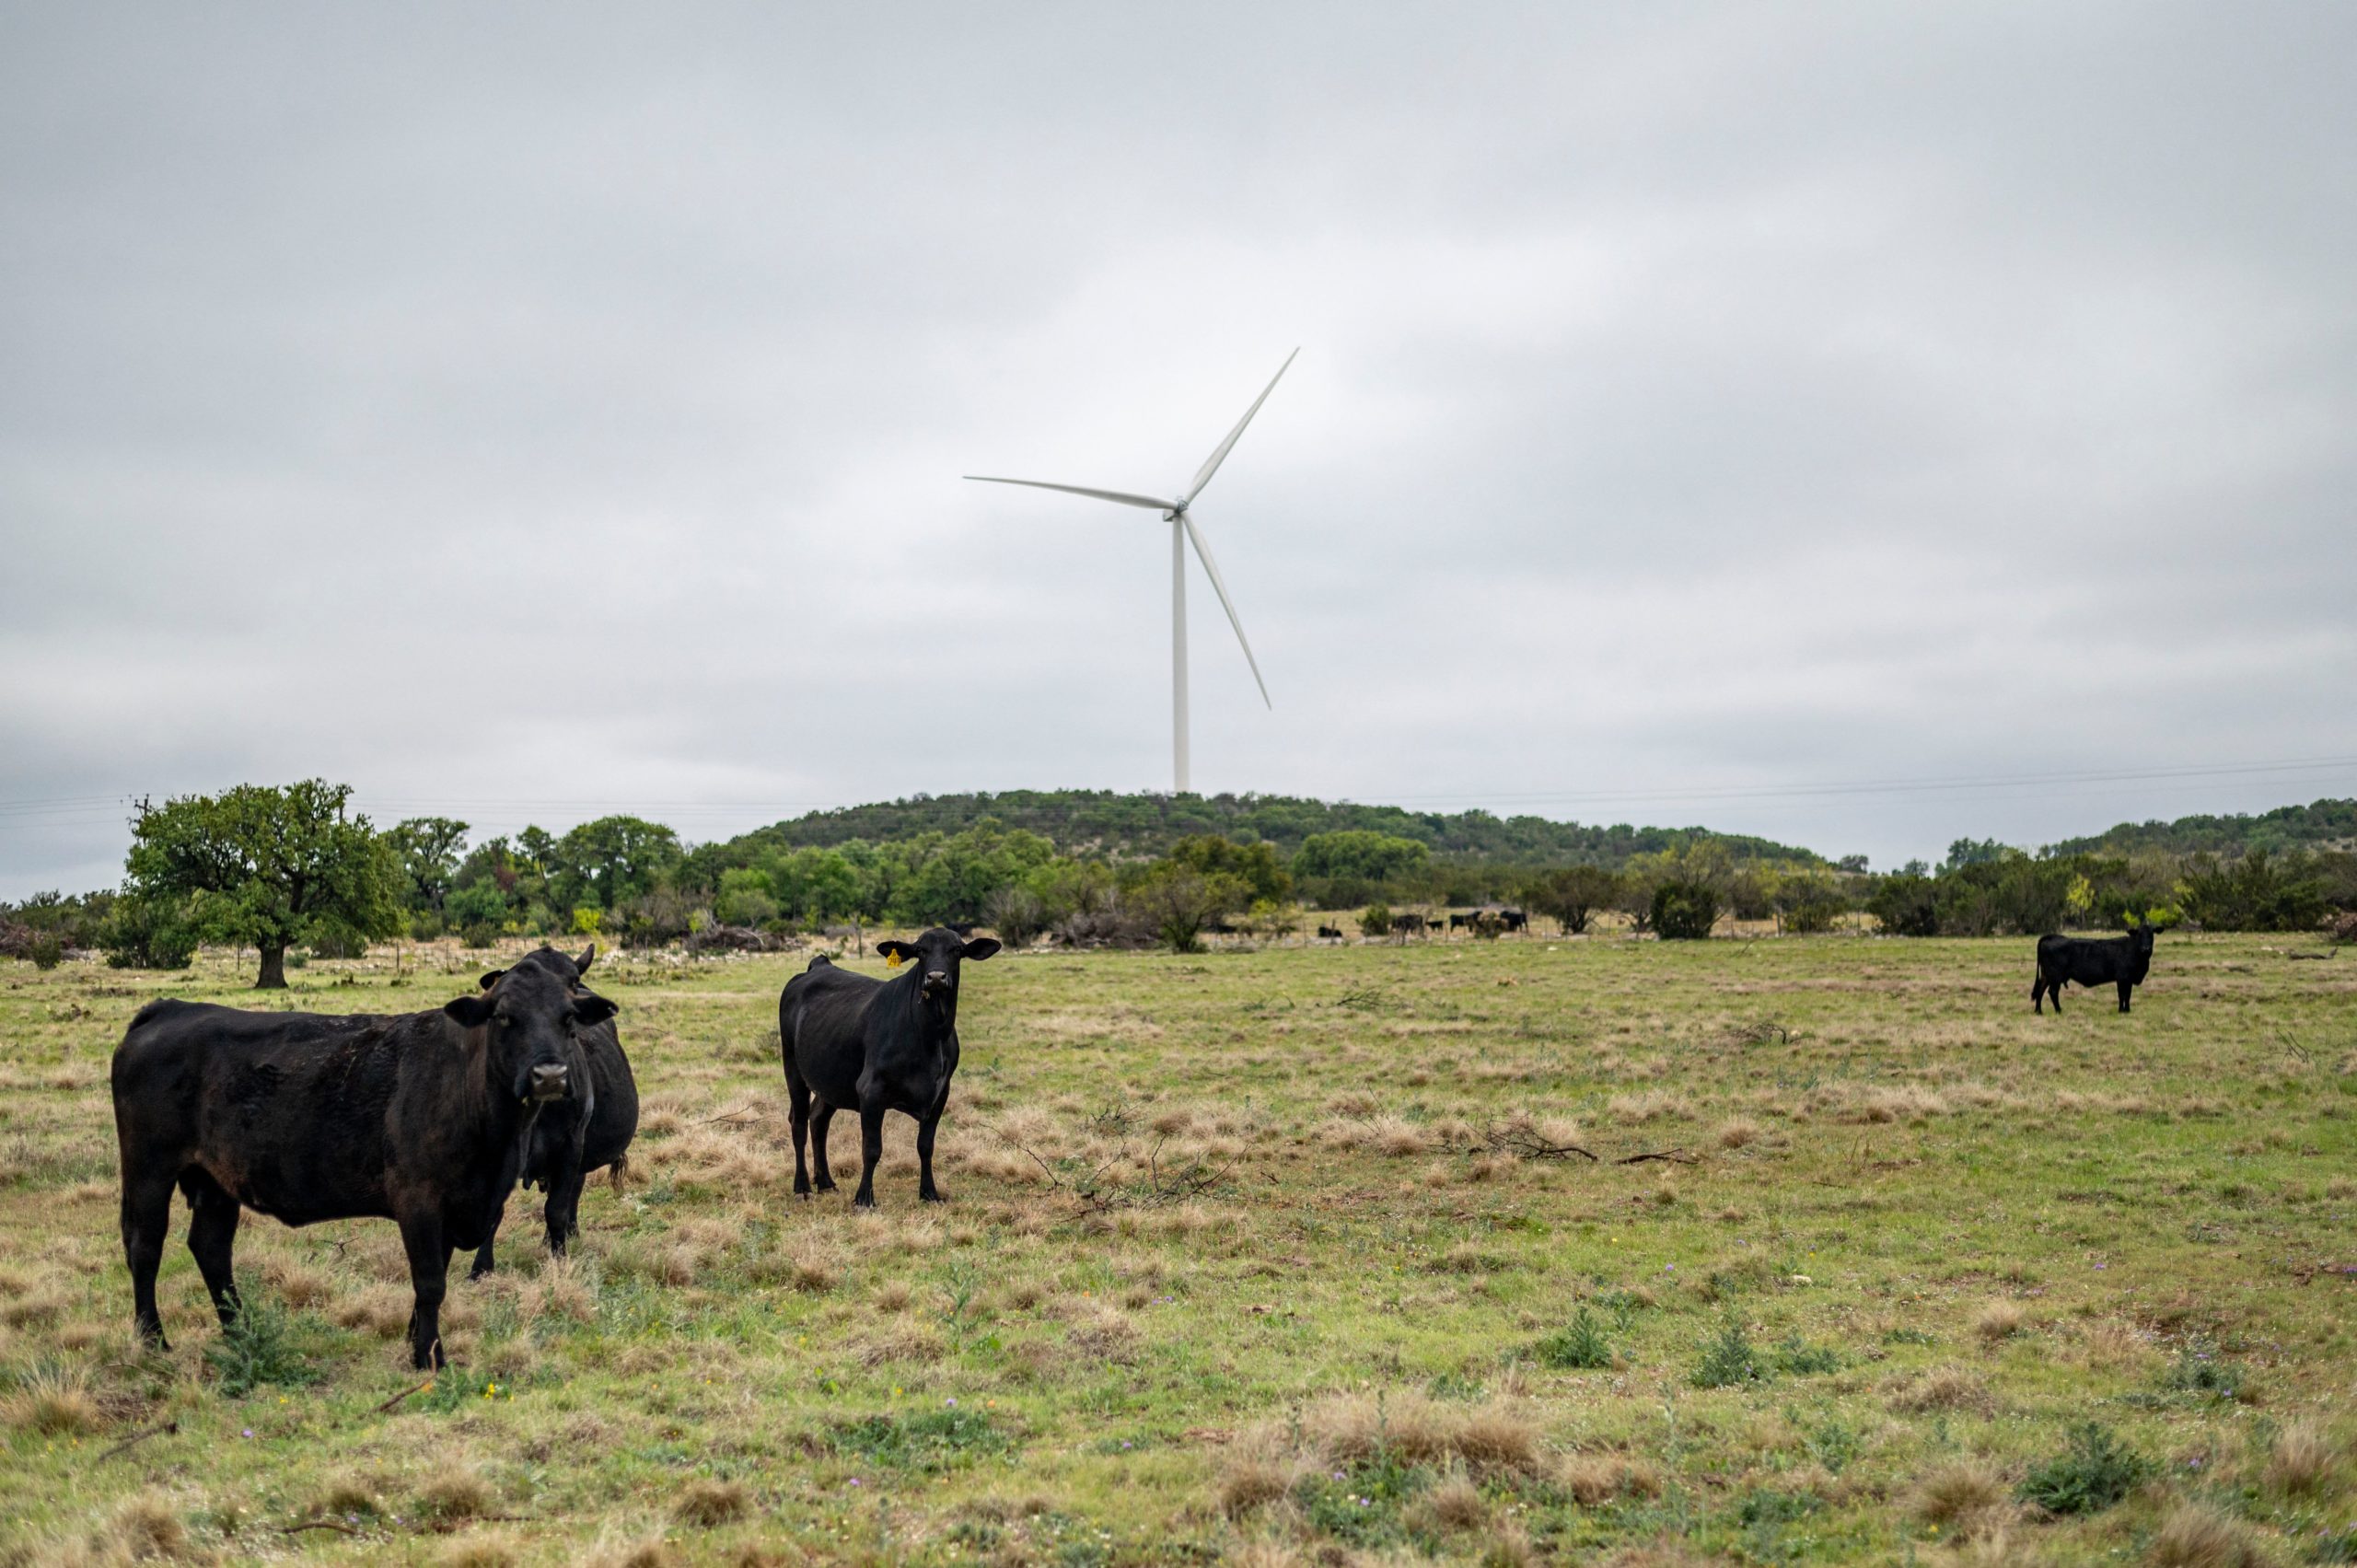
point(431, 1120)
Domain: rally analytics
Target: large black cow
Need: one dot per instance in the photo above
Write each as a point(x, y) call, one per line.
point(854, 1042)
point(421, 1119)
point(586, 1133)
point(2111, 960)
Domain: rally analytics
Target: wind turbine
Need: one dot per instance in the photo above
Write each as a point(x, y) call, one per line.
point(1174, 511)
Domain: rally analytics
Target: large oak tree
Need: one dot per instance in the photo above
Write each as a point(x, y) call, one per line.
point(266, 867)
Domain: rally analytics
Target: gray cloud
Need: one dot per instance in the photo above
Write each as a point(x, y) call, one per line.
point(1700, 405)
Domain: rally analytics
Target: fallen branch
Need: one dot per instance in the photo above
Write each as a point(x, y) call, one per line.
point(1675, 1157)
point(743, 1111)
point(404, 1394)
point(318, 1524)
point(1096, 1191)
point(159, 1429)
point(1526, 1143)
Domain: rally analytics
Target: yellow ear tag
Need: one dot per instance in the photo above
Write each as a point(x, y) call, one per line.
point(891, 960)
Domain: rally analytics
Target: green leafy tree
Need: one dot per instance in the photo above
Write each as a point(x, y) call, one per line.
point(1177, 901)
point(745, 899)
point(480, 911)
point(1907, 903)
point(605, 862)
point(1572, 896)
point(1809, 901)
point(1256, 865)
point(1376, 921)
point(1685, 912)
point(263, 866)
point(428, 850)
point(1360, 854)
point(2254, 892)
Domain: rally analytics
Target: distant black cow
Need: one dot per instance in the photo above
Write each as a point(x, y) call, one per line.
point(854, 1042)
point(1406, 926)
point(1460, 922)
point(1329, 934)
point(2122, 961)
point(423, 1120)
point(574, 1137)
point(1516, 919)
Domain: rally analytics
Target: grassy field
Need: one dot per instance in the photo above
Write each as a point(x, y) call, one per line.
point(1280, 1257)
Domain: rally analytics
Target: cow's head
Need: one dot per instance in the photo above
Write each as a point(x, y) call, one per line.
point(530, 1015)
point(936, 955)
point(2140, 936)
point(563, 964)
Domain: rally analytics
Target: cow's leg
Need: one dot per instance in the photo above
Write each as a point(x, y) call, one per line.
point(146, 1221)
point(797, 1095)
point(2125, 987)
point(821, 1178)
point(485, 1261)
point(871, 1149)
point(2037, 992)
point(429, 1278)
point(212, 1240)
point(926, 1191)
point(562, 1211)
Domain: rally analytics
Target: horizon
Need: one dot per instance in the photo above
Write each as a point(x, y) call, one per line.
point(479, 832)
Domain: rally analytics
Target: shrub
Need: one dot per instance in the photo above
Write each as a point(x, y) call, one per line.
point(258, 1346)
point(1376, 921)
point(2096, 1471)
point(1685, 912)
point(46, 950)
point(149, 934)
point(1729, 1360)
point(1906, 904)
point(1578, 1345)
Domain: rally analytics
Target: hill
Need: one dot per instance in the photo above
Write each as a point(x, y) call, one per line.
point(2326, 824)
point(1102, 822)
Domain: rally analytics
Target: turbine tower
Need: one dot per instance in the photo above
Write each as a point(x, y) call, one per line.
point(1175, 511)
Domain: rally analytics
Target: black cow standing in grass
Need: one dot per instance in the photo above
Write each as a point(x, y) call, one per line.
point(589, 1132)
point(2112, 960)
point(423, 1120)
point(857, 1043)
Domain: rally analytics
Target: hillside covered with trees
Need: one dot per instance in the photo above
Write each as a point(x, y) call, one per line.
point(2326, 824)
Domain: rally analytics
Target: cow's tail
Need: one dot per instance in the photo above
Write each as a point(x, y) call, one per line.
point(618, 1173)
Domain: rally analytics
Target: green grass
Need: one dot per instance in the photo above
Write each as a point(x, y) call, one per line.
point(1237, 1240)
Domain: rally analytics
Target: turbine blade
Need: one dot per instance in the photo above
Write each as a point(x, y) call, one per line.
point(1211, 568)
point(1210, 464)
point(1124, 496)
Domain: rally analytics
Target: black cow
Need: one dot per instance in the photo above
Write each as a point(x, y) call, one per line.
point(2122, 961)
point(1403, 925)
point(1329, 933)
point(1460, 922)
point(574, 1137)
point(851, 1042)
point(423, 1120)
point(1516, 919)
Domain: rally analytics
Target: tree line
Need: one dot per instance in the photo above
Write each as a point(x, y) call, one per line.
point(291, 871)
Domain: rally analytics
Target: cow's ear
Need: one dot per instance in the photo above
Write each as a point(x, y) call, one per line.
point(469, 1011)
point(491, 979)
point(588, 955)
point(589, 1010)
point(981, 948)
point(896, 952)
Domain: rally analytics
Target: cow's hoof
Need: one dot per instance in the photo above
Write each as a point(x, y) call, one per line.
point(479, 1271)
point(930, 1198)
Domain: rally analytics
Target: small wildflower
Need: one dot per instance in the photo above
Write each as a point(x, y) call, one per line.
point(248, 1432)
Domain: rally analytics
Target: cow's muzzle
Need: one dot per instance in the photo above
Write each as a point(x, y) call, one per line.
point(550, 1083)
point(935, 982)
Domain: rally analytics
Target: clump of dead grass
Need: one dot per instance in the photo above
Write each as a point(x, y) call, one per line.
point(55, 1401)
point(1455, 1505)
point(479, 1551)
point(2000, 1320)
point(1945, 1389)
point(2301, 1460)
point(455, 1491)
point(2196, 1537)
point(1737, 1130)
point(1966, 1499)
point(707, 1503)
point(1596, 1479)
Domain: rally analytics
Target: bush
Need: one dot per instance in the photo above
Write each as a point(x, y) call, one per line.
point(1729, 1360)
point(1684, 912)
point(2096, 1471)
point(46, 950)
point(257, 1346)
point(149, 934)
point(1376, 921)
point(1572, 896)
point(1906, 904)
point(2254, 893)
point(1579, 1345)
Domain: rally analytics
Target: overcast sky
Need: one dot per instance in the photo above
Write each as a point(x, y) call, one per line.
point(1863, 425)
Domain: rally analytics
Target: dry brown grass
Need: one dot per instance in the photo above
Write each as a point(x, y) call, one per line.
point(455, 1492)
point(146, 1528)
point(1945, 1389)
point(2196, 1537)
point(479, 1551)
point(1966, 1499)
point(705, 1503)
point(1455, 1505)
point(2000, 1320)
point(1595, 1479)
point(1252, 1481)
point(55, 1401)
point(2302, 1461)
point(350, 1495)
point(650, 1552)
point(1737, 1130)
